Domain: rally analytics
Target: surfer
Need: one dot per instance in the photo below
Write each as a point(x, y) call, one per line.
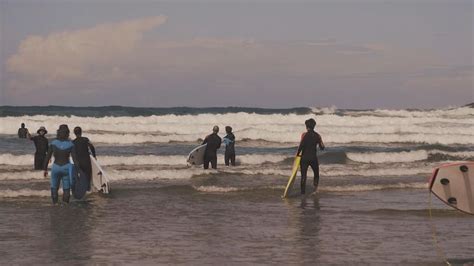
point(41, 145)
point(22, 131)
point(308, 152)
point(82, 145)
point(62, 148)
point(213, 142)
point(229, 142)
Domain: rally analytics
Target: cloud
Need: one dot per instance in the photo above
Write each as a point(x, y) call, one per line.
point(122, 63)
point(92, 54)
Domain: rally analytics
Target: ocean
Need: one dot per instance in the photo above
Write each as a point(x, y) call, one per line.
point(371, 208)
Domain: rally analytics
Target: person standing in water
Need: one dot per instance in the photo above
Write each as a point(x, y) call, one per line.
point(23, 131)
point(82, 146)
point(308, 152)
point(229, 142)
point(62, 148)
point(213, 142)
point(41, 145)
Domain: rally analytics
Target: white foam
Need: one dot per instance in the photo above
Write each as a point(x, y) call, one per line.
point(388, 157)
point(248, 159)
point(452, 126)
point(215, 189)
point(8, 193)
point(400, 157)
point(361, 188)
point(22, 175)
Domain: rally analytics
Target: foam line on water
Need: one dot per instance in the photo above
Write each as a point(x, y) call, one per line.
point(246, 159)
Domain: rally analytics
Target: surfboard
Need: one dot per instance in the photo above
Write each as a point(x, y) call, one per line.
point(196, 156)
point(100, 181)
point(291, 180)
point(80, 182)
point(454, 185)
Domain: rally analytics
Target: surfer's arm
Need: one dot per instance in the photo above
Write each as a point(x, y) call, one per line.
point(321, 143)
point(300, 148)
point(74, 156)
point(205, 140)
point(48, 157)
point(92, 148)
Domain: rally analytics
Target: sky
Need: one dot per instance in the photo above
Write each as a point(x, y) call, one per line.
point(262, 53)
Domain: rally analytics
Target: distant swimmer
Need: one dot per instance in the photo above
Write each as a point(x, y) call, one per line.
point(23, 132)
point(308, 149)
point(229, 142)
point(82, 146)
point(41, 145)
point(213, 142)
point(62, 148)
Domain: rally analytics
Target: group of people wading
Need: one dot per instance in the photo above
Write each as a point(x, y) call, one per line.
point(63, 148)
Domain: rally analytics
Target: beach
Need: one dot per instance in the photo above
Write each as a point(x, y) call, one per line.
point(371, 208)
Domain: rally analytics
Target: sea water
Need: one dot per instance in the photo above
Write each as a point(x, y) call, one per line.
point(372, 205)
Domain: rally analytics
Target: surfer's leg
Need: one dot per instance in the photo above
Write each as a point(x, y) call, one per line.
point(304, 171)
point(226, 159)
point(65, 173)
point(39, 159)
point(315, 167)
point(214, 163)
point(206, 163)
point(232, 159)
point(55, 181)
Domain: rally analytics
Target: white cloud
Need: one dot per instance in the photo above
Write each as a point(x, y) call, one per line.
point(88, 54)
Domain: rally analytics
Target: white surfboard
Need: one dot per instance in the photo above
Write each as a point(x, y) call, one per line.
point(196, 156)
point(454, 185)
point(100, 181)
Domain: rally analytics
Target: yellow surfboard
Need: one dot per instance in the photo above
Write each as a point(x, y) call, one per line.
point(291, 180)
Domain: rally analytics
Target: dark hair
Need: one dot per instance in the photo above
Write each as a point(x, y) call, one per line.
point(22, 124)
point(228, 129)
point(63, 132)
point(310, 123)
point(78, 131)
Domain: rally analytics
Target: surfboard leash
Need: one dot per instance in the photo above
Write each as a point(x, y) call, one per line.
point(439, 248)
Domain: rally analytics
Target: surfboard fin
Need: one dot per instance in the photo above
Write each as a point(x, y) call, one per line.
point(464, 168)
point(452, 201)
point(444, 181)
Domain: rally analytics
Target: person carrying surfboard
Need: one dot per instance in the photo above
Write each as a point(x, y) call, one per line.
point(308, 152)
point(213, 142)
point(82, 146)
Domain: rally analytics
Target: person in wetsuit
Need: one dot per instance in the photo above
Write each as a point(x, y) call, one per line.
point(62, 148)
point(23, 132)
point(308, 152)
point(82, 145)
point(213, 143)
point(41, 145)
point(229, 142)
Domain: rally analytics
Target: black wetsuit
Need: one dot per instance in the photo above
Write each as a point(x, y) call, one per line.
point(210, 155)
point(229, 154)
point(41, 145)
point(308, 146)
point(82, 146)
point(22, 133)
